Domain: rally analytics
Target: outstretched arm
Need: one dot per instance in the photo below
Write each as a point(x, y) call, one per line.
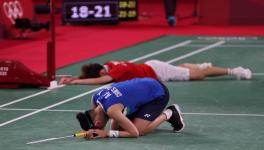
point(92, 81)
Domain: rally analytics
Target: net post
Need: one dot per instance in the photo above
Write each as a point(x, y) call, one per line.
point(51, 45)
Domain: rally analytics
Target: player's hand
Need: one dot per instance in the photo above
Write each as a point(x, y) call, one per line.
point(96, 133)
point(66, 80)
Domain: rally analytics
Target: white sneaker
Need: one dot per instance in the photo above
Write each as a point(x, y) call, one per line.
point(205, 65)
point(242, 73)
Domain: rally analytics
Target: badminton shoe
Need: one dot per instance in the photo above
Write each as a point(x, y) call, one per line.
point(242, 73)
point(176, 119)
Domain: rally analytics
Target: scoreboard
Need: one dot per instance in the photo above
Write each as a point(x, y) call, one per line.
point(99, 11)
point(128, 9)
point(90, 11)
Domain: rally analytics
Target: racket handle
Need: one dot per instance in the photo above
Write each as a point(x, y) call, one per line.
point(80, 134)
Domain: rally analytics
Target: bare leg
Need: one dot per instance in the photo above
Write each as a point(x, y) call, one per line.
point(201, 66)
point(197, 74)
point(145, 127)
point(190, 66)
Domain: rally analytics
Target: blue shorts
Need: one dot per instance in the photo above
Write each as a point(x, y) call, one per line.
point(153, 109)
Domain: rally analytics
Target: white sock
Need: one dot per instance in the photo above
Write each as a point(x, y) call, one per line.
point(230, 71)
point(168, 113)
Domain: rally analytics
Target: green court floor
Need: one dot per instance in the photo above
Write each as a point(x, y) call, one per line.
point(220, 113)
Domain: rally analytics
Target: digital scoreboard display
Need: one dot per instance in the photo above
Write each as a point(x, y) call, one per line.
point(99, 11)
point(128, 9)
point(90, 11)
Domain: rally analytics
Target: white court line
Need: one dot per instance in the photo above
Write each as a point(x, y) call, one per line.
point(258, 74)
point(24, 98)
point(133, 60)
point(162, 51)
point(80, 95)
point(221, 114)
point(197, 51)
point(50, 139)
point(229, 45)
point(51, 106)
point(48, 110)
point(27, 97)
point(188, 113)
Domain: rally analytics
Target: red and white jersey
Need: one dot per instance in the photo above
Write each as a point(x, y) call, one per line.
point(124, 70)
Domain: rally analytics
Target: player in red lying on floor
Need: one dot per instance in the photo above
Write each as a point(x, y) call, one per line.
point(116, 71)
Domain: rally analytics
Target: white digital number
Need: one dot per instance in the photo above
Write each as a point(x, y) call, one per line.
point(74, 12)
point(83, 12)
point(99, 11)
point(107, 11)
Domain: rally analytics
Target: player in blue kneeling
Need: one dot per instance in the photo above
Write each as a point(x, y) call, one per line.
point(136, 108)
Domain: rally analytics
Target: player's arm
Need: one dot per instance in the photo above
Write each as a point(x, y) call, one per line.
point(129, 129)
point(100, 80)
point(114, 125)
point(67, 80)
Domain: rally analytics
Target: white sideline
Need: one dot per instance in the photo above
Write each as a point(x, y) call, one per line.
point(48, 110)
point(197, 51)
point(222, 114)
point(258, 74)
point(24, 98)
point(187, 113)
point(162, 51)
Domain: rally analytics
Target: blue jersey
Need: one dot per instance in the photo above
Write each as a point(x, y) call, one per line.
point(131, 94)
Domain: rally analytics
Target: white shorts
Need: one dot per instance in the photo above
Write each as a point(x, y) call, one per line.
point(168, 72)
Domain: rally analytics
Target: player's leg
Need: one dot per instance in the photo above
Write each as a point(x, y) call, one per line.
point(172, 114)
point(150, 116)
point(170, 9)
point(144, 126)
point(168, 72)
point(200, 74)
point(204, 65)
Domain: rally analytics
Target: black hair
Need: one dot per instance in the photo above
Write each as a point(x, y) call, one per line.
point(85, 119)
point(91, 71)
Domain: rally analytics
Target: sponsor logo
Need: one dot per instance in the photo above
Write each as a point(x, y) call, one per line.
point(13, 10)
point(147, 115)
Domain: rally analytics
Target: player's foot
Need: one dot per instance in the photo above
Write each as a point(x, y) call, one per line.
point(242, 73)
point(205, 65)
point(176, 119)
point(171, 21)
